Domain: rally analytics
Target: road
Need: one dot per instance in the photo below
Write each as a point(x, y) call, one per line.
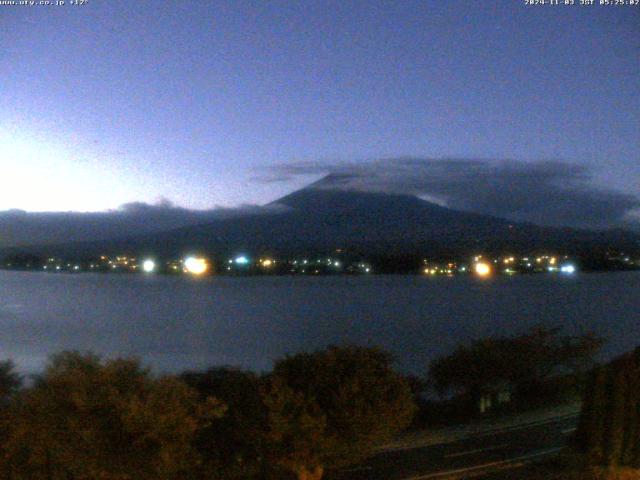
point(472, 456)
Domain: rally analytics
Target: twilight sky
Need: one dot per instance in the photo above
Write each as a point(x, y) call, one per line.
point(208, 103)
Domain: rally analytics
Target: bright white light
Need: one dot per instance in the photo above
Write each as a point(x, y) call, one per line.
point(196, 265)
point(242, 260)
point(148, 265)
point(568, 269)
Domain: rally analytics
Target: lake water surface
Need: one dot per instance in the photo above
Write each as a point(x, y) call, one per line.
point(174, 323)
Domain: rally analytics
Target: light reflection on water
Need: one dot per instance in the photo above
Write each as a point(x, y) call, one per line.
point(174, 323)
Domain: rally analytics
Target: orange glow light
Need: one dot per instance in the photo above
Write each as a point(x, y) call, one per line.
point(483, 269)
point(196, 265)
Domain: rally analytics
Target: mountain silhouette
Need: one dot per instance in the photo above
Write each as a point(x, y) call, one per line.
point(319, 220)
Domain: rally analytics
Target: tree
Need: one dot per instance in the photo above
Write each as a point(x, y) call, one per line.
point(591, 424)
point(10, 381)
point(91, 419)
point(232, 447)
point(332, 408)
point(522, 363)
point(296, 435)
point(609, 427)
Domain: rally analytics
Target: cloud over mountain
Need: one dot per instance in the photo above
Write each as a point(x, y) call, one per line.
point(546, 192)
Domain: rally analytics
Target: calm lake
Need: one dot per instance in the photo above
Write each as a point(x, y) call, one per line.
point(175, 323)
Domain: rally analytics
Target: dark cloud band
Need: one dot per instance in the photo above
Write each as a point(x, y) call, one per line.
point(547, 192)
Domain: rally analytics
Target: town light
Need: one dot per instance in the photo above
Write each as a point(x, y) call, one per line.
point(483, 269)
point(196, 265)
point(568, 269)
point(242, 260)
point(148, 265)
